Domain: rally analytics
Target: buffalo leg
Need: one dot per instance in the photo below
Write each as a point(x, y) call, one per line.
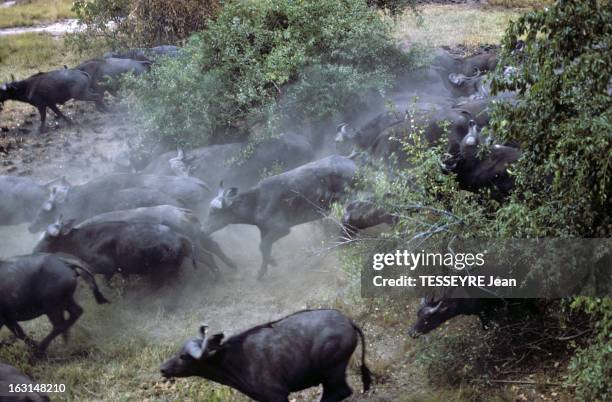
point(212, 246)
point(267, 240)
point(60, 114)
point(92, 95)
point(60, 324)
point(206, 257)
point(165, 274)
point(42, 110)
point(335, 387)
point(20, 334)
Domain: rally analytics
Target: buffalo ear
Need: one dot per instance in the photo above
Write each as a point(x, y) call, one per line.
point(53, 230)
point(47, 206)
point(67, 227)
point(202, 331)
point(194, 349)
point(214, 342)
point(231, 192)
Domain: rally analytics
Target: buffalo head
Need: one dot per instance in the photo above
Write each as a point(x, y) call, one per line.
point(49, 211)
point(194, 354)
point(221, 211)
point(344, 133)
point(432, 314)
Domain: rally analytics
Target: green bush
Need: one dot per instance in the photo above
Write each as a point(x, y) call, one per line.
point(562, 122)
point(265, 62)
point(455, 360)
point(590, 370)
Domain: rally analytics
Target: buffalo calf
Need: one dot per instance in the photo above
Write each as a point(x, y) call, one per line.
point(122, 247)
point(269, 361)
point(37, 284)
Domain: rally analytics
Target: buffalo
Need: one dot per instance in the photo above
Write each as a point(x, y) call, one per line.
point(37, 284)
point(473, 87)
point(269, 361)
point(363, 214)
point(105, 73)
point(478, 109)
point(78, 206)
point(476, 172)
point(470, 65)
point(146, 54)
point(20, 199)
point(190, 191)
point(120, 247)
point(47, 90)
point(430, 126)
point(10, 375)
point(364, 137)
point(238, 164)
point(433, 313)
point(182, 221)
point(280, 202)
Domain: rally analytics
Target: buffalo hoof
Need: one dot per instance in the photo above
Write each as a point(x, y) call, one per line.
point(261, 274)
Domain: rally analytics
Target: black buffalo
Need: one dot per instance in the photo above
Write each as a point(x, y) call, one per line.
point(10, 375)
point(47, 90)
point(433, 313)
point(146, 54)
point(37, 284)
point(105, 73)
point(475, 172)
point(120, 247)
point(81, 205)
point(269, 361)
point(363, 214)
point(479, 110)
point(20, 199)
point(429, 126)
point(280, 202)
point(238, 164)
point(364, 137)
point(470, 65)
point(180, 220)
point(190, 191)
point(473, 87)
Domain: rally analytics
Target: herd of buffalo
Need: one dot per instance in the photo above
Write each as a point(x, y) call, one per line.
point(151, 221)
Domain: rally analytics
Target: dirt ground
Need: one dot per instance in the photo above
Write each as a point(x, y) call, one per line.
point(102, 360)
point(305, 278)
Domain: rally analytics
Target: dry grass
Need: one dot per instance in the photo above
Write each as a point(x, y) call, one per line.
point(35, 13)
point(451, 25)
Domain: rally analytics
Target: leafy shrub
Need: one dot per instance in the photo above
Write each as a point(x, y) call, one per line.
point(562, 122)
point(454, 360)
point(264, 62)
point(590, 369)
point(130, 23)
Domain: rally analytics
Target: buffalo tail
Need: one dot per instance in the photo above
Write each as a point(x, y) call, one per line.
point(80, 267)
point(366, 374)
